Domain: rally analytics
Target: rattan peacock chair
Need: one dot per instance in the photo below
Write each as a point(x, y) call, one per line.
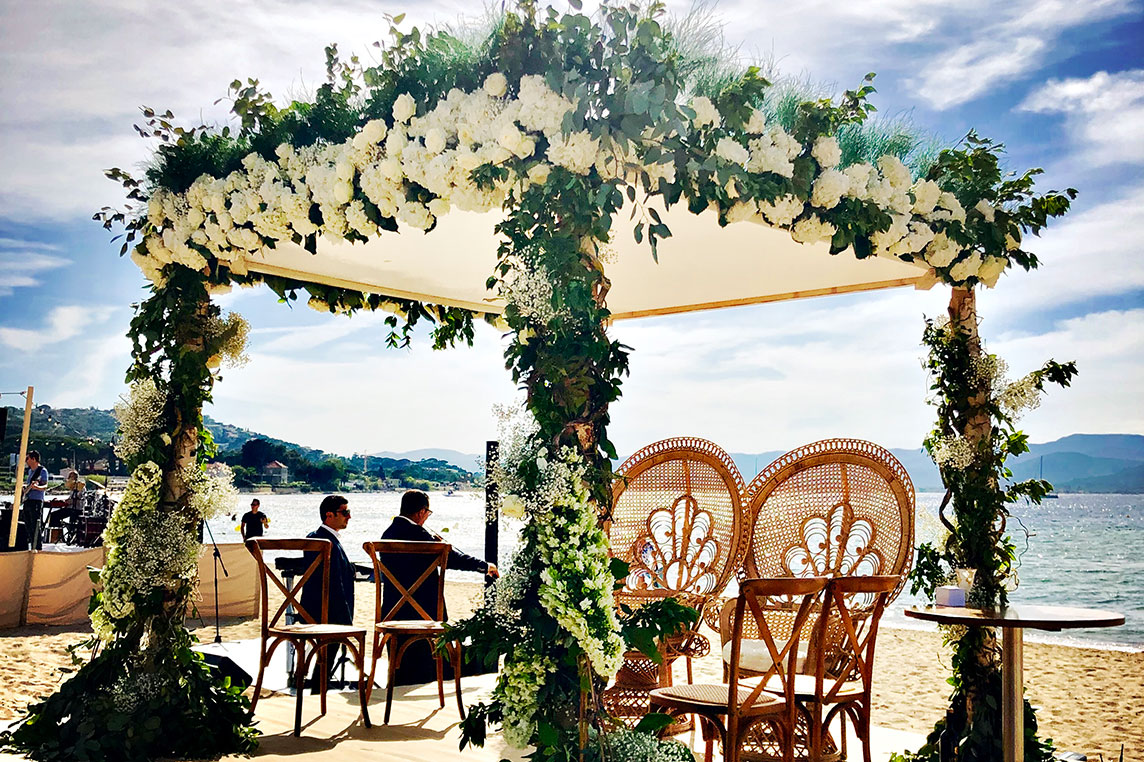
point(678, 521)
point(834, 508)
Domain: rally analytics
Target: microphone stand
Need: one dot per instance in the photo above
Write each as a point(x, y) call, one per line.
point(217, 562)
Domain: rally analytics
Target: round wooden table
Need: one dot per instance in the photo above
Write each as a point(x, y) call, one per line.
point(1013, 621)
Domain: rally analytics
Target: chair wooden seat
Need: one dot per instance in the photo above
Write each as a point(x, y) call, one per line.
point(311, 631)
point(410, 627)
point(805, 689)
point(712, 694)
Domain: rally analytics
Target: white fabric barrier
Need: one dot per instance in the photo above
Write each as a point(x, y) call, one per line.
point(238, 592)
point(53, 587)
point(60, 587)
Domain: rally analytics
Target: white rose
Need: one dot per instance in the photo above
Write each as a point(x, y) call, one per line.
point(343, 192)
point(826, 152)
point(705, 112)
point(496, 85)
point(404, 108)
point(538, 173)
point(741, 212)
point(729, 150)
point(435, 140)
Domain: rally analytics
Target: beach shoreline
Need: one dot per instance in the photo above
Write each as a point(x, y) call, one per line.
point(1086, 698)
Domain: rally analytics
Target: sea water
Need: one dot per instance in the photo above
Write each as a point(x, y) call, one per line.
point(1081, 550)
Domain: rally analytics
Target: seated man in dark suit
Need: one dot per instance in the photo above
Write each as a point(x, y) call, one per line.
point(335, 513)
point(417, 664)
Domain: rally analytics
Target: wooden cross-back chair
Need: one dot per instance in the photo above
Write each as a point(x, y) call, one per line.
point(313, 628)
point(734, 710)
point(839, 680)
point(400, 623)
point(677, 520)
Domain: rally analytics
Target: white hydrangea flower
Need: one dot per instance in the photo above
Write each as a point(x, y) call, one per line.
point(435, 140)
point(706, 115)
point(895, 172)
point(859, 176)
point(404, 107)
point(757, 123)
point(782, 211)
point(966, 268)
point(826, 151)
point(942, 250)
point(829, 188)
point(926, 195)
point(575, 152)
point(731, 151)
point(1012, 242)
point(812, 230)
point(991, 270)
point(985, 209)
point(742, 212)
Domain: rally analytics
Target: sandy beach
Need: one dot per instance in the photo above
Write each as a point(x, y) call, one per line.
point(1089, 700)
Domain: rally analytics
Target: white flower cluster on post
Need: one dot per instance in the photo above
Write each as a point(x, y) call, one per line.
point(418, 168)
point(138, 416)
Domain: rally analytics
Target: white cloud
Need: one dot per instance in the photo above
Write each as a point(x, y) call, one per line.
point(363, 398)
point(61, 324)
point(1104, 114)
point(1092, 253)
point(22, 261)
point(1006, 44)
point(1107, 395)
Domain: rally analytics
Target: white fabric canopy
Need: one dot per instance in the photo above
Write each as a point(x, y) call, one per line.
point(702, 266)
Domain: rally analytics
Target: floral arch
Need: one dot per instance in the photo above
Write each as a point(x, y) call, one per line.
point(552, 127)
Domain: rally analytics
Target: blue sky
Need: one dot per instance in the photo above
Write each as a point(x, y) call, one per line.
point(1061, 83)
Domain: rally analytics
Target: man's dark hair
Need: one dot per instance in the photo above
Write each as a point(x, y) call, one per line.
point(256, 501)
point(331, 504)
point(413, 501)
point(34, 455)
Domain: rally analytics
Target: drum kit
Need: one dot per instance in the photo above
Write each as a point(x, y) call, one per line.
point(80, 519)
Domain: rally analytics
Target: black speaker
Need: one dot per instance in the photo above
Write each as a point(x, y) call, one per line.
point(215, 655)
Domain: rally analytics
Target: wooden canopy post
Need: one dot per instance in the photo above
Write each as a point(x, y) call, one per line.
point(18, 488)
point(977, 543)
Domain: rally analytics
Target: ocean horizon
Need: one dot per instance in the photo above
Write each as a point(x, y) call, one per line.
point(1080, 550)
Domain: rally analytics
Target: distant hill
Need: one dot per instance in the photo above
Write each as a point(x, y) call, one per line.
point(471, 463)
point(1107, 463)
point(1075, 463)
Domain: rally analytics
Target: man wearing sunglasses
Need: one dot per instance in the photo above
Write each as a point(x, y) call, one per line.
point(335, 513)
point(417, 665)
